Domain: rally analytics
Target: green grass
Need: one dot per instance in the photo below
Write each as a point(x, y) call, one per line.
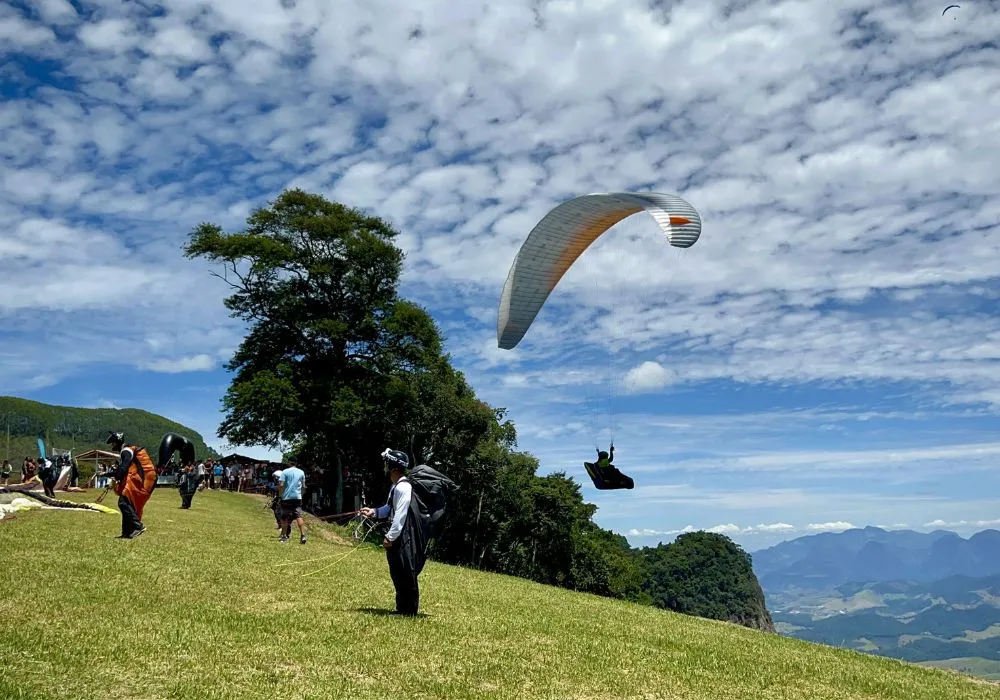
point(199, 608)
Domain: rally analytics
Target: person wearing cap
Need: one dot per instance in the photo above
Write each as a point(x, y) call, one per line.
point(405, 543)
point(290, 483)
point(135, 479)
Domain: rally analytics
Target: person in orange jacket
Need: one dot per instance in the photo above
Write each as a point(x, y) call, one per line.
point(135, 479)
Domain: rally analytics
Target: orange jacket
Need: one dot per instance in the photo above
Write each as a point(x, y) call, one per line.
point(141, 475)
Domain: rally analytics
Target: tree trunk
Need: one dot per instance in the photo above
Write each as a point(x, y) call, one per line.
point(475, 534)
point(338, 499)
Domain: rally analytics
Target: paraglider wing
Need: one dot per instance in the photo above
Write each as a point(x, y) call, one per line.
point(561, 237)
point(172, 442)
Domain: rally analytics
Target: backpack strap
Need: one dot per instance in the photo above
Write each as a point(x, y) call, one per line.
point(392, 508)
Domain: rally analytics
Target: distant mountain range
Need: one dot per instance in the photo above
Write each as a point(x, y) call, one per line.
point(930, 598)
point(871, 554)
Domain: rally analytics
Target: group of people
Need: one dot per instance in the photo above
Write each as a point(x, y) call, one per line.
point(405, 542)
point(44, 470)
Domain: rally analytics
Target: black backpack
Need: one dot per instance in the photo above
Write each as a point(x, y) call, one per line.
point(431, 489)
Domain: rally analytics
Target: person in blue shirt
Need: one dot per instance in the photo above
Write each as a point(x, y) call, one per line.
point(290, 484)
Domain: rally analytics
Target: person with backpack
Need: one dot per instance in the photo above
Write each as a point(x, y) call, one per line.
point(415, 508)
point(135, 479)
point(49, 474)
point(406, 541)
point(187, 479)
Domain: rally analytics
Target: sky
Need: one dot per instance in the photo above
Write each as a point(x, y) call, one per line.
point(826, 356)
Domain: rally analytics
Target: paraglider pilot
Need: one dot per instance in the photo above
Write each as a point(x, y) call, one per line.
point(135, 479)
point(605, 475)
point(406, 541)
point(187, 481)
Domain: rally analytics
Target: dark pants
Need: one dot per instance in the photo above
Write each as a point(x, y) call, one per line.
point(130, 518)
point(186, 499)
point(404, 579)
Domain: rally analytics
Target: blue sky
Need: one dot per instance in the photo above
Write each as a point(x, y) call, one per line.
point(825, 356)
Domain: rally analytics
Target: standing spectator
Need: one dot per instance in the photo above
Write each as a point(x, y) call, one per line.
point(187, 485)
point(5, 471)
point(74, 474)
point(27, 470)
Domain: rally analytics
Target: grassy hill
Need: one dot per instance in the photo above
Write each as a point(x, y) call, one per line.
point(208, 604)
point(81, 429)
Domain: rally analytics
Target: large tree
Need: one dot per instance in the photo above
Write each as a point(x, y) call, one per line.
point(331, 349)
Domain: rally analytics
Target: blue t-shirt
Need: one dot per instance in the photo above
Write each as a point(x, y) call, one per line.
point(293, 478)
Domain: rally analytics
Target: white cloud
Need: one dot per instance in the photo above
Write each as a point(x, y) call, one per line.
point(193, 363)
point(993, 522)
point(731, 529)
point(109, 35)
point(835, 526)
point(57, 11)
point(17, 32)
point(828, 461)
point(649, 376)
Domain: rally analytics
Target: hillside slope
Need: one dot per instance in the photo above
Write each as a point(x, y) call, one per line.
point(81, 429)
point(202, 607)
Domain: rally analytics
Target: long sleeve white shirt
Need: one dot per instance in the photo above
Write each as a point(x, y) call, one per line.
point(399, 498)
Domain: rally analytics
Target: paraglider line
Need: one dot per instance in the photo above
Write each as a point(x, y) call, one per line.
point(334, 562)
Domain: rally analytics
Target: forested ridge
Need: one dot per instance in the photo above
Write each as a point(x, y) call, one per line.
point(81, 429)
